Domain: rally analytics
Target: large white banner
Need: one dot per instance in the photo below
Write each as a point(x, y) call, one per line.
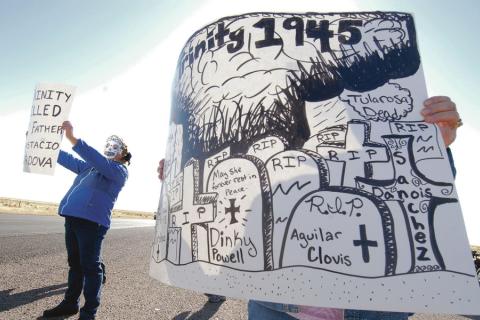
point(50, 108)
point(299, 169)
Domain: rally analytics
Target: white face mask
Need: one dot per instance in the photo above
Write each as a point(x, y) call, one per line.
point(112, 149)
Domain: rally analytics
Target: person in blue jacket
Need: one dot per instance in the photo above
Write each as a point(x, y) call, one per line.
point(87, 207)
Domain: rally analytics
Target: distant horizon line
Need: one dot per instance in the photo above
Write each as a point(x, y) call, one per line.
point(5, 201)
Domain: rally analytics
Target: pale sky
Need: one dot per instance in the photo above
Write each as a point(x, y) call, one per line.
point(121, 56)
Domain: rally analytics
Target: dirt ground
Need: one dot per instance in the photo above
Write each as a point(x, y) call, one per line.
point(22, 206)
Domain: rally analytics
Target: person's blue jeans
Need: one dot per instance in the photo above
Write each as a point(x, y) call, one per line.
point(83, 240)
point(260, 310)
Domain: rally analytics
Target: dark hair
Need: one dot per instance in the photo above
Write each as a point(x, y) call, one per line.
point(127, 157)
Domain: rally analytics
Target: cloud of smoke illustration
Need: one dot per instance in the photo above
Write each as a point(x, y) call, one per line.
point(250, 77)
point(390, 102)
point(380, 33)
point(230, 97)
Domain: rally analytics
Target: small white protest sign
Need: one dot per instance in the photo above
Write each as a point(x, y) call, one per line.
point(50, 108)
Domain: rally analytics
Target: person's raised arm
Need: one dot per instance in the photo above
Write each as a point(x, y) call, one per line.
point(93, 157)
point(68, 129)
point(71, 163)
point(65, 159)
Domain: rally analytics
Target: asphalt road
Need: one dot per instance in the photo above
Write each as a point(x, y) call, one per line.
point(17, 224)
point(33, 273)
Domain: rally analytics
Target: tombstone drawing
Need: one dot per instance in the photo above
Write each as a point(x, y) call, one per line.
point(356, 154)
point(419, 195)
point(241, 234)
point(187, 221)
point(347, 230)
point(299, 169)
point(212, 161)
point(159, 247)
point(266, 147)
point(292, 174)
point(425, 142)
point(426, 146)
point(330, 137)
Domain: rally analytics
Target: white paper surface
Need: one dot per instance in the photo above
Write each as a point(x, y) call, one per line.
point(50, 108)
point(320, 184)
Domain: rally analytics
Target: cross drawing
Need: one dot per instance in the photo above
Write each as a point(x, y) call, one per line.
point(232, 210)
point(364, 243)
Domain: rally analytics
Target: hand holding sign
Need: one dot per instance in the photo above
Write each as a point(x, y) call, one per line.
point(68, 128)
point(443, 112)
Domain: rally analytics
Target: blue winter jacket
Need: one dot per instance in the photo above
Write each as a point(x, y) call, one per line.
point(96, 187)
